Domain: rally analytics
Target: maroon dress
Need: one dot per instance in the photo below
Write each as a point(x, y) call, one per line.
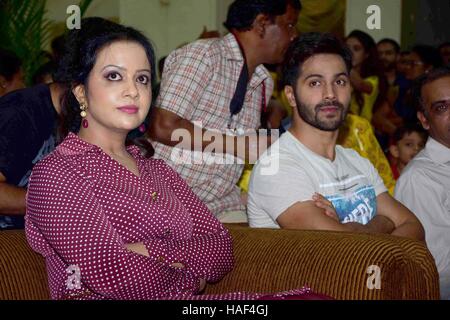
point(83, 207)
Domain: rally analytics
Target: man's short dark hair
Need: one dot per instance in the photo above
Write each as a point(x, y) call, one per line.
point(308, 45)
point(424, 79)
point(408, 128)
point(392, 42)
point(428, 54)
point(9, 64)
point(242, 13)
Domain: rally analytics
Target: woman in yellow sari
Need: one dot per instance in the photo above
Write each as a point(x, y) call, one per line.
point(368, 81)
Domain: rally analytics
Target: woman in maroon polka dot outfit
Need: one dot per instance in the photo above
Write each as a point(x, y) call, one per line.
point(111, 223)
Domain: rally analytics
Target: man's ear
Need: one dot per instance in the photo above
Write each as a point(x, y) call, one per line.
point(260, 24)
point(423, 120)
point(80, 93)
point(393, 150)
point(289, 92)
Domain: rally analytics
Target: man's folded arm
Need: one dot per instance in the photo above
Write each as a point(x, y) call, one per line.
point(307, 216)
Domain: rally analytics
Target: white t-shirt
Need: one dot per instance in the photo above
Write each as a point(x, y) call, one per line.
point(289, 172)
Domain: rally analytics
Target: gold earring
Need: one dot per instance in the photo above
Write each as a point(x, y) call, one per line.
point(83, 114)
point(83, 109)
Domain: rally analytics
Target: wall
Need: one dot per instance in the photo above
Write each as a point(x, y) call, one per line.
point(56, 9)
point(431, 22)
point(222, 9)
point(391, 16)
point(169, 23)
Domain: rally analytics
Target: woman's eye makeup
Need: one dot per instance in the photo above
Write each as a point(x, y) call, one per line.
point(117, 76)
point(144, 79)
point(113, 76)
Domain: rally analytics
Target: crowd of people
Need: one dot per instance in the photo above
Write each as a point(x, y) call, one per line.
point(120, 180)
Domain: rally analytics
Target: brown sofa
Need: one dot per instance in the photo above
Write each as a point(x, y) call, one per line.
point(331, 263)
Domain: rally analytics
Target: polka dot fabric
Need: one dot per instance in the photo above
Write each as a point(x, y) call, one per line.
point(83, 206)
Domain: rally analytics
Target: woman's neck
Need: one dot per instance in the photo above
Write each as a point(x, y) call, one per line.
point(111, 142)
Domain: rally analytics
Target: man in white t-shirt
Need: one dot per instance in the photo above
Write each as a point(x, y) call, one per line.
point(306, 160)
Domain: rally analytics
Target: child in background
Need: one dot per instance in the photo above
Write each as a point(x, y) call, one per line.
point(407, 141)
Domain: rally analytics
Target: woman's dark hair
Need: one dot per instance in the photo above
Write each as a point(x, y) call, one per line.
point(58, 45)
point(9, 64)
point(81, 49)
point(371, 66)
point(44, 70)
point(308, 45)
point(242, 13)
point(428, 54)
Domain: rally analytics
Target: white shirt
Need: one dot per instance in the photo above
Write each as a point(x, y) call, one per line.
point(424, 187)
point(289, 172)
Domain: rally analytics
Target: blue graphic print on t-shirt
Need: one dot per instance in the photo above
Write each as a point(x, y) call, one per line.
point(358, 206)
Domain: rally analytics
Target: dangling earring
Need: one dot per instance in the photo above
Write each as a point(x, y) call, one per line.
point(142, 128)
point(83, 115)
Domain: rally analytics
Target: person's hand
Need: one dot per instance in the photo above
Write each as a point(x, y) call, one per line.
point(138, 248)
point(323, 203)
point(202, 285)
point(178, 265)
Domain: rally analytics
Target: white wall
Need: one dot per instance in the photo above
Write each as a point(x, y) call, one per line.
point(56, 12)
point(391, 14)
point(222, 9)
point(56, 9)
point(169, 23)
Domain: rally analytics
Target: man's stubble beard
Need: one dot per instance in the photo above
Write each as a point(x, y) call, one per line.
point(313, 120)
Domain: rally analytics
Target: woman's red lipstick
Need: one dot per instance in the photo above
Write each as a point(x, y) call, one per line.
point(131, 109)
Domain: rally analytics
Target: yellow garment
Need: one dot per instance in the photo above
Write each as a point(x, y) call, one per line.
point(355, 133)
point(322, 16)
point(280, 95)
point(366, 111)
point(245, 178)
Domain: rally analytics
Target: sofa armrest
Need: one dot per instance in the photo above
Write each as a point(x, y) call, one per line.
point(22, 271)
point(331, 263)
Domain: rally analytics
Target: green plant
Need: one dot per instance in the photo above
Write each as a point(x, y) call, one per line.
point(84, 4)
point(25, 30)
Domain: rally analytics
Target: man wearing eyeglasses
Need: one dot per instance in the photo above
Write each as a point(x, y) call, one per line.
point(424, 186)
